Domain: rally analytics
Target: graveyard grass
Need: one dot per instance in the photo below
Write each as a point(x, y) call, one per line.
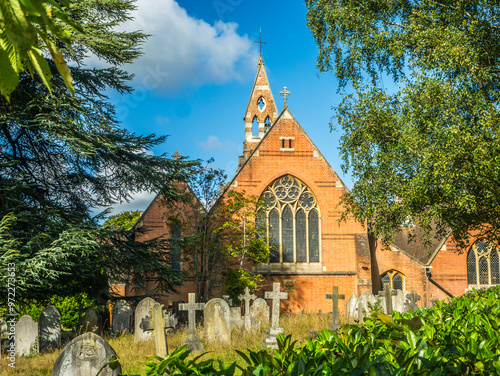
point(133, 354)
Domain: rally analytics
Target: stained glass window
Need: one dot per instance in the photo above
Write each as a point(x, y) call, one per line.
point(294, 236)
point(482, 264)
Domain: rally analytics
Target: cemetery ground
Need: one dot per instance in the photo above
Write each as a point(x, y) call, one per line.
point(133, 354)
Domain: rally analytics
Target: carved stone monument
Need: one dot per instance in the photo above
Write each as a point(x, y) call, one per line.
point(352, 306)
point(85, 356)
point(141, 311)
point(122, 317)
point(276, 295)
point(247, 297)
point(26, 334)
point(192, 340)
point(259, 314)
point(217, 321)
point(335, 306)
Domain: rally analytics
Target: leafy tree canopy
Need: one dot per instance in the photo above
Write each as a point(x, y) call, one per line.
point(428, 152)
point(65, 156)
point(125, 220)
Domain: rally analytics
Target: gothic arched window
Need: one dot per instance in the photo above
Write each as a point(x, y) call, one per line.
point(291, 222)
point(483, 265)
point(394, 278)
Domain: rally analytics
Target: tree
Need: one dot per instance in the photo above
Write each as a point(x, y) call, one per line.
point(27, 26)
point(64, 156)
point(218, 238)
point(125, 220)
point(428, 152)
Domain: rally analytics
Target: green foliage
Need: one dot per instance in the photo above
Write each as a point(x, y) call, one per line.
point(458, 338)
point(125, 220)
point(30, 28)
point(236, 281)
point(428, 151)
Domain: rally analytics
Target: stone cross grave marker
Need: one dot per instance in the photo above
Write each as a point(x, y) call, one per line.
point(217, 321)
point(25, 337)
point(387, 294)
point(142, 310)
point(276, 295)
point(413, 297)
point(335, 306)
point(122, 316)
point(247, 297)
point(85, 356)
point(159, 323)
point(192, 340)
point(49, 325)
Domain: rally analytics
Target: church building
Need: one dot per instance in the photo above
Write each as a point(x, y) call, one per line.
point(312, 251)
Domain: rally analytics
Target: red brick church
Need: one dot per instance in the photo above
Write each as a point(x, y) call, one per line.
point(302, 192)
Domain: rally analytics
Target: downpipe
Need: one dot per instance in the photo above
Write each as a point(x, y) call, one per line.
point(429, 277)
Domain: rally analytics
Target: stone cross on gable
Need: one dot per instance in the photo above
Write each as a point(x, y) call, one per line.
point(276, 295)
point(247, 297)
point(192, 307)
point(176, 155)
point(335, 306)
point(285, 92)
point(387, 293)
point(413, 297)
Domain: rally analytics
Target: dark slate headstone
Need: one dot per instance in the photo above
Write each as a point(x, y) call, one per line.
point(85, 356)
point(122, 317)
point(182, 316)
point(91, 321)
point(49, 326)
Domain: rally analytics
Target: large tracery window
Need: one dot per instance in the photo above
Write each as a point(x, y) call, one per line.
point(291, 222)
point(483, 265)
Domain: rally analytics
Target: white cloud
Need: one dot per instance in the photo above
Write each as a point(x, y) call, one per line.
point(140, 201)
point(185, 51)
point(213, 144)
point(162, 120)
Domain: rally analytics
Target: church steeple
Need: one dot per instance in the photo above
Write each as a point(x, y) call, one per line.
point(261, 110)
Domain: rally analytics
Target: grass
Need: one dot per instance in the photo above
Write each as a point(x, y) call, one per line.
point(133, 354)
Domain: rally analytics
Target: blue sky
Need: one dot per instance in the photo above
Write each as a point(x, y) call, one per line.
point(194, 80)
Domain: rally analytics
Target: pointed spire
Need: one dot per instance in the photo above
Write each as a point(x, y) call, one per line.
point(261, 109)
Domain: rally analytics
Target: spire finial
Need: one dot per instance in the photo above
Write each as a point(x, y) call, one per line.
point(176, 155)
point(285, 92)
point(260, 42)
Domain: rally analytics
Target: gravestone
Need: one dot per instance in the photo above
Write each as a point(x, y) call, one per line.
point(276, 295)
point(49, 325)
point(413, 298)
point(365, 300)
point(182, 316)
point(122, 317)
point(352, 306)
point(85, 356)
point(247, 297)
point(386, 294)
point(91, 322)
point(259, 314)
point(228, 300)
point(398, 301)
point(26, 335)
point(217, 321)
point(236, 320)
point(141, 311)
point(159, 323)
point(192, 340)
point(335, 306)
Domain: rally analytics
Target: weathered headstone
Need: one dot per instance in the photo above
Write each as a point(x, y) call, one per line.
point(85, 356)
point(228, 300)
point(141, 311)
point(335, 306)
point(192, 340)
point(365, 301)
point(247, 297)
point(26, 334)
point(122, 317)
point(236, 320)
point(352, 306)
point(217, 321)
point(387, 294)
point(91, 322)
point(398, 301)
point(259, 314)
point(49, 325)
point(413, 298)
point(276, 295)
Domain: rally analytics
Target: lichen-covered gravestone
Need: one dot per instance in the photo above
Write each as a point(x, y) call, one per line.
point(352, 306)
point(236, 319)
point(259, 314)
point(122, 316)
point(398, 301)
point(26, 334)
point(49, 325)
point(85, 356)
point(217, 321)
point(365, 301)
point(91, 321)
point(141, 311)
